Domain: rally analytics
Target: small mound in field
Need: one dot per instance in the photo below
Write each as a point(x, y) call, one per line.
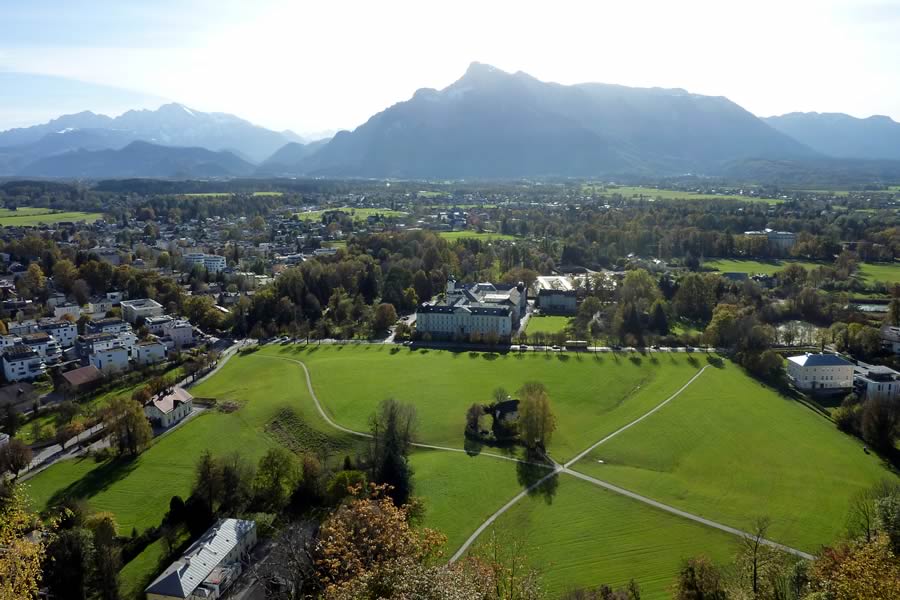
point(290, 430)
point(229, 407)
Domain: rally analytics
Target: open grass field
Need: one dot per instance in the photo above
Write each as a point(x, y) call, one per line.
point(732, 450)
point(659, 194)
point(591, 394)
point(546, 323)
point(275, 408)
point(31, 216)
point(578, 534)
point(475, 235)
point(359, 214)
point(446, 482)
point(727, 448)
point(868, 272)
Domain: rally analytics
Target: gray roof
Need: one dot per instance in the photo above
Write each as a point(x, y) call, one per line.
point(183, 576)
point(820, 360)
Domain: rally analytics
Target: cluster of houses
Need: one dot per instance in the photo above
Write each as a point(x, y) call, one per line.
point(822, 373)
point(109, 344)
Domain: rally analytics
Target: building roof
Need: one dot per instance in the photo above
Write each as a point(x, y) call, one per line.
point(167, 400)
point(83, 376)
point(19, 352)
point(141, 303)
point(820, 360)
point(184, 575)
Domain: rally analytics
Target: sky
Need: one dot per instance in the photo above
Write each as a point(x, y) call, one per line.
point(316, 67)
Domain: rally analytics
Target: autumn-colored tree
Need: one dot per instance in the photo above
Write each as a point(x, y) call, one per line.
point(699, 579)
point(536, 419)
point(125, 420)
point(857, 571)
point(21, 555)
point(14, 457)
point(363, 536)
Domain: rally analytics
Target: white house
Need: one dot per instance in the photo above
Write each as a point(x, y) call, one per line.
point(63, 331)
point(149, 352)
point(169, 407)
point(133, 310)
point(181, 333)
point(158, 325)
point(67, 309)
point(111, 360)
point(44, 344)
point(22, 363)
point(21, 328)
point(820, 372)
point(211, 262)
point(99, 306)
point(107, 325)
point(876, 382)
point(209, 566)
point(890, 338)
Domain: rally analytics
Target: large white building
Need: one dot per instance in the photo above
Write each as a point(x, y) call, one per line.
point(211, 262)
point(782, 241)
point(63, 331)
point(824, 372)
point(472, 312)
point(209, 566)
point(111, 360)
point(132, 310)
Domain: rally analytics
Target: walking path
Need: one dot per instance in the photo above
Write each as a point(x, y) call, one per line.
point(557, 468)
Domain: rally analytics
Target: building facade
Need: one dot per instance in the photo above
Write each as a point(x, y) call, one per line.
point(21, 363)
point(475, 312)
point(211, 262)
point(132, 310)
point(875, 382)
point(820, 372)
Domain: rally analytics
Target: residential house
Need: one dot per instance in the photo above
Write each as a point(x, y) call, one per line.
point(111, 360)
point(132, 310)
point(149, 352)
point(820, 372)
point(890, 338)
point(22, 363)
point(73, 310)
point(158, 325)
point(209, 566)
point(81, 380)
point(44, 344)
point(107, 325)
point(211, 262)
point(558, 301)
point(63, 331)
point(875, 382)
point(169, 407)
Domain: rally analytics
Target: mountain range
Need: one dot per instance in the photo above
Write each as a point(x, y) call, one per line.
point(487, 124)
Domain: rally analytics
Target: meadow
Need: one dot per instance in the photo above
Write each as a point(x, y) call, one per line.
point(727, 448)
point(359, 214)
point(732, 450)
point(546, 323)
point(577, 534)
point(31, 216)
point(661, 194)
point(869, 273)
point(592, 394)
point(475, 235)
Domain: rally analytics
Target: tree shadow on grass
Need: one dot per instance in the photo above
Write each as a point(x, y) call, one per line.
point(96, 481)
point(490, 356)
point(532, 471)
point(692, 360)
point(472, 446)
point(715, 361)
point(635, 360)
point(395, 350)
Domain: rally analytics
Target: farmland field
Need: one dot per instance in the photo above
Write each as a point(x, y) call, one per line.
point(579, 535)
point(546, 323)
point(475, 235)
point(31, 216)
point(732, 450)
point(661, 194)
point(868, 272)
point(359, 214)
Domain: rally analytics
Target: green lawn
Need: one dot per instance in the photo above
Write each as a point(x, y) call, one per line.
point(359, 214)
point(446, 481)
point(578, 534)
point(591, 394)
point(733, 450)
point(868, 272)
point(546, 323)
point(30, 216)
point(452, 236)
point(660, 194)
point(275, 407)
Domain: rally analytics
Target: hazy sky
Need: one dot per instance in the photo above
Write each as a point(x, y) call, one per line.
point(332, 64)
